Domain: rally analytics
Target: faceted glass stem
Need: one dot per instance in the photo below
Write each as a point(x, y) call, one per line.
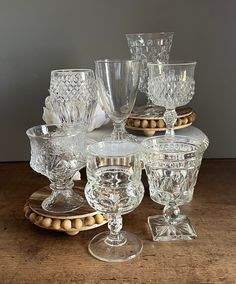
point(170, 117)
point(115, 237)
point(171, 213)
point(118, 131)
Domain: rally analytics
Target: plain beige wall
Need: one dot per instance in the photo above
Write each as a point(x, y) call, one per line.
point(38, 36)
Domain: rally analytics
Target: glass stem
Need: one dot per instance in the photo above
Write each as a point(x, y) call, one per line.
point(171, 213)
point(61, 187)
point(118, 130)
point(170, 117)
point(115, 238)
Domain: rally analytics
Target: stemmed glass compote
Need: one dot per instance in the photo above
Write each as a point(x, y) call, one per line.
point(172, 165)
point(149, 48)
point(117, 86)
point(171, 85)
point(57, 152)
point(114, 187)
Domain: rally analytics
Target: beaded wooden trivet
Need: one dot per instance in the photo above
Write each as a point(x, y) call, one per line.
point(71, 223)
point(149, 124)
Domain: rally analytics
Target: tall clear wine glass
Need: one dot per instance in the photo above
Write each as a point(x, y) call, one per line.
point(117, 84)
point(149, 48)
point(73, 95)
point(57, 152)
point(171, 85)
point(172, 165)
point(114, 187)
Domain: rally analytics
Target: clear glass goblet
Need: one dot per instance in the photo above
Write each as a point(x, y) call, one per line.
point(117, 87)
point(57, 152)
point(114, 187)
point(171, 85)
point(172, 165)
point(149, 48)
point(73, 95)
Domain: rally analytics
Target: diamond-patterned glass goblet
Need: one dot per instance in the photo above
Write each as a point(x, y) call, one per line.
point(172, 165)
point(117, 87)
point(149, 48)
point(57, 152)
point(73, 95)
point(171, 85)
point(114, 187)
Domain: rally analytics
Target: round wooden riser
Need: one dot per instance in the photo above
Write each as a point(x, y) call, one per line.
point(82, 219)
point(149, 125)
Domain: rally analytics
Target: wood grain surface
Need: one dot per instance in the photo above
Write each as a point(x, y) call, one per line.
point(29, 254)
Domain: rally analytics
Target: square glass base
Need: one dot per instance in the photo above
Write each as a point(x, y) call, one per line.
point(164, 231)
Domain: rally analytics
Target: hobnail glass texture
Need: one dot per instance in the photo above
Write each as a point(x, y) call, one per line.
point(73, 94)
point(149, 48)
point(57, 153)
point(172, 165)
point(114, 187)
point(117, 87)
point(171, 85)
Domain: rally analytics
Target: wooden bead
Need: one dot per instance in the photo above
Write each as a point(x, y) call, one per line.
point(144, 123)
point(89, 221)
point(38, 219)
point(149, 133)
point(66, 224)
point(32, 217)
point(99, 218)
point(160, 123)
point(56, 224)
point(137, 123)
point(77, 223)
point(130, 122)
point(153, 124)
point(179, 121)
point(184, 120)
point(46, 222)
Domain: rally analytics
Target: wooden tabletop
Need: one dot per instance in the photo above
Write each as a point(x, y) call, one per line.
point(29, 254)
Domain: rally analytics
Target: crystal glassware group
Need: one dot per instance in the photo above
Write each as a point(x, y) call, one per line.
point(113, 166)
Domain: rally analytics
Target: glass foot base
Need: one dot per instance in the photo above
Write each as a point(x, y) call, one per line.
point(129, 249)
point(62, 201)
point(163, 231)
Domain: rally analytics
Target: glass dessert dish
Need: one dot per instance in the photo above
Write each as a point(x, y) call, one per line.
point(114, 187)
point(171, 85)
point(73, 95)
point(149, 48)
point(117, 87)
point(172, 165)
point(58, 152)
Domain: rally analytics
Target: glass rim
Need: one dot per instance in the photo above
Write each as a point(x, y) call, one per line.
point(150, 34)
point(72, 70)
point(174, 63)
point(115, 60)
point(201, 146)
point(58, 125)
point(124, 142)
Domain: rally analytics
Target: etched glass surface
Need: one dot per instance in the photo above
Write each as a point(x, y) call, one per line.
point(73, 94)
point(150, 48)
point(171, 91)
